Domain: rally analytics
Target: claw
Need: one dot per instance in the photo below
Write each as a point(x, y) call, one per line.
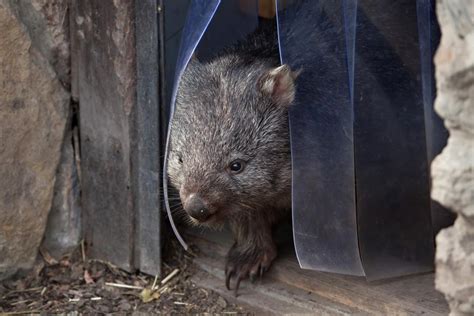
point(244, 263)
point(228, 275)
point(237, 285)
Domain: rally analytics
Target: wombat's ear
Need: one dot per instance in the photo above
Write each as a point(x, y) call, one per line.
point(279, 84)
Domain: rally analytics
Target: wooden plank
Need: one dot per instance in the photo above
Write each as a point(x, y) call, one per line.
point(357, 292)
point(267, 296)
point(413, 295)
point(106, 83)
point(146, 138)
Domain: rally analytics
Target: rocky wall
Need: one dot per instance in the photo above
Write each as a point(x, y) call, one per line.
point(34, 109)
point(453, 169)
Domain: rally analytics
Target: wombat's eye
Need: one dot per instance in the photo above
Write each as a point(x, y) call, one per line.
point(180, 160)
point(237, 166)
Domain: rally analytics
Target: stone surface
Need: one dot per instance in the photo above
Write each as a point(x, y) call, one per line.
point(47, 24)
point(64, 228)
point(33, 112)
point(453, 169)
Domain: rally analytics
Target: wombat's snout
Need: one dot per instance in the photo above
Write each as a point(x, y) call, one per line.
point(196, 208)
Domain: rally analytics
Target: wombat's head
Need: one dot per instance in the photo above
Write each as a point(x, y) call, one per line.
point(229, 151)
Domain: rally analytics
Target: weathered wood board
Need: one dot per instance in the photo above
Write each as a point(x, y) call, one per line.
point(147, 132)
point(117, 86)
point(287, 285)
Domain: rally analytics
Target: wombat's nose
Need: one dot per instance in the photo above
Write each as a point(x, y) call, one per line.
point(196, 208)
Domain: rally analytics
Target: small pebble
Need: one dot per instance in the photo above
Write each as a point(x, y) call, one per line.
point(221, 302)
point(125, 306)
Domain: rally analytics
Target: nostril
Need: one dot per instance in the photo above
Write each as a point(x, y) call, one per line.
point(196, 208)
point(200, 214)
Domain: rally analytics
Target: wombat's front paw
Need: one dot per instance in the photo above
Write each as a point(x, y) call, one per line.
point(245, 263)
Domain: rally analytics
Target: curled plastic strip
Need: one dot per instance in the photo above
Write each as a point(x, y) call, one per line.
point(210, 27)
point(199, 16)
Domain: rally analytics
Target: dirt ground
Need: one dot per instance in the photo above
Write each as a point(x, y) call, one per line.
point(78, 284)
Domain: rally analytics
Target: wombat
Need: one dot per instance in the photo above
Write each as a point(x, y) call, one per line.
point(229, 147)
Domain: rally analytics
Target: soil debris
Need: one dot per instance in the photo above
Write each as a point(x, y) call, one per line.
point(78, 284)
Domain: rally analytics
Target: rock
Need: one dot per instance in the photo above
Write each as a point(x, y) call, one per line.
point(455, 266)
point(47, 24)
point(33, 112)
point(124, 306)
point(221, 302)
point(63, 229)
point(452, 172)
point(453, 169)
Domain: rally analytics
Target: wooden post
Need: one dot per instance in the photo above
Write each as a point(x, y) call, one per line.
point(117, 83)
point(147, 149)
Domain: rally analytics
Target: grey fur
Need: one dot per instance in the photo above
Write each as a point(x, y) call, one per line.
point(236, 107)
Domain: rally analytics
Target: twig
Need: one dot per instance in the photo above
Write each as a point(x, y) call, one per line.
point(169, 276)
point(22, 291)
point(181, 303)
point(74, 299)
point(19, 302)
point(163, 289)
point(154, 283)
point(124, 286)
point(34, 311)
point(43, 291)
point(97, 298)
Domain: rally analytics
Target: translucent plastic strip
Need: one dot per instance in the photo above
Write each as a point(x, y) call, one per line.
point(210, 27)
point(392, 170)
point(350, 19)
point(199, 16)
point(436, 133)
point(314, 36)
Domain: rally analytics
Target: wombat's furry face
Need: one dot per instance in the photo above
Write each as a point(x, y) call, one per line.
point(230, 152)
